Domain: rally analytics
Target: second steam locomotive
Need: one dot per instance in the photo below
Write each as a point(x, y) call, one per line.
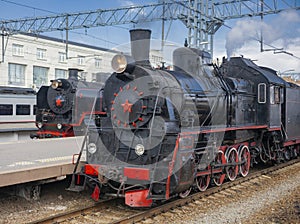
point(57, 114)
point(162, 133)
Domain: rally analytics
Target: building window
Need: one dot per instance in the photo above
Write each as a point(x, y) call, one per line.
point(41, 53)
point(98, 62)
point(22, 109)
point(60, 73)
point(16, 74)
point(100, 77)
point(80, 60)
point(18, 50)
point(40, 76)
point(6, 109)
point(156, 60)
point(62, 57)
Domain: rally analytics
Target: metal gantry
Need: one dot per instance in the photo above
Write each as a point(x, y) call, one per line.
point(202, 17)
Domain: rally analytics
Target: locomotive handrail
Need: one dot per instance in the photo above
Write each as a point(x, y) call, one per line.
point(154, 109)
point(227, 90)
point(85, 138)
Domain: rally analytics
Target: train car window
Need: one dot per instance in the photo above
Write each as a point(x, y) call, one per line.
point(281, 95)
point(275, 96)
point(22, 109)
point(262, 93)
point(6, 109)
point(272, 95)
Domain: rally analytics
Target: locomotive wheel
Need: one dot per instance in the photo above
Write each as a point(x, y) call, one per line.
point(186, 193)
point(287, 153)
point(232, 157)
point(295, 152)
point(203, 182)
point(244, 158)
point(218, 178)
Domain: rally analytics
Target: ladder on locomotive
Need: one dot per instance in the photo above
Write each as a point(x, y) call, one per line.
point(158, 167)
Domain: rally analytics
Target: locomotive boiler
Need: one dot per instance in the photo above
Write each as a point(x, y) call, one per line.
point(163, 133)
point(56, 115)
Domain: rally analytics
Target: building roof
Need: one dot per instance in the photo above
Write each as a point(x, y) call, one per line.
point(63, 41)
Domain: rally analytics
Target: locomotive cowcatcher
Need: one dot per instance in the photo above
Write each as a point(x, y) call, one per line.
point(163, 133)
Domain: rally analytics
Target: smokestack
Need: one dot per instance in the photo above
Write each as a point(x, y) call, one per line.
point(140, 46)
point(73, 73)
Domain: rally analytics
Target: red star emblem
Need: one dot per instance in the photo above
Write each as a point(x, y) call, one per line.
point(58, 102)
point(127, 106)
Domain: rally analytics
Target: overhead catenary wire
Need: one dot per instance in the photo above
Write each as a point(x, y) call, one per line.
point(275, 49)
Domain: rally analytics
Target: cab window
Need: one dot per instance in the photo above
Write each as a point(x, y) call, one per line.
point(275, 95)
point(262, 93)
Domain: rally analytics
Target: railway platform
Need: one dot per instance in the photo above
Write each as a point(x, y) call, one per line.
point(37, 161)
point(16, 131)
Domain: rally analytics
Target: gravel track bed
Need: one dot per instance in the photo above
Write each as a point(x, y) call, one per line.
point(55, 199)
point(271, 198)
point(274, 198)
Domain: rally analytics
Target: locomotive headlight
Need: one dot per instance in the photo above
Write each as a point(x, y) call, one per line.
point(92, 148)
point(40, 125)
point(139, 149)
point(56, 83)
point(119, 63)
point(59, 126)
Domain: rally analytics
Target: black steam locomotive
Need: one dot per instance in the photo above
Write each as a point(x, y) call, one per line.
point(163, 133)
point(56, 115)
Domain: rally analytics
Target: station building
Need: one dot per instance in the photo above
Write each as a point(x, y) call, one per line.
point(30, 60)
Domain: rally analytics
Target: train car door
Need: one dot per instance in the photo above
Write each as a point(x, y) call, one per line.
point(275, 106)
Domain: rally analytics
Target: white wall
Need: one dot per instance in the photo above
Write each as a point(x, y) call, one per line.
point(51, 61)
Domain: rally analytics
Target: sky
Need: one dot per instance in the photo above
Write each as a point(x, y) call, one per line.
point(280, 30)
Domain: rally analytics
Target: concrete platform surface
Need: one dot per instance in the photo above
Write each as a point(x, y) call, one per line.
point(31, 160)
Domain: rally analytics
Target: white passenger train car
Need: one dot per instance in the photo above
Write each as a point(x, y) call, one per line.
point(17, 105)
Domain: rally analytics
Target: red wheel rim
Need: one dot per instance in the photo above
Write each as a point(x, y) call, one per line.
point(245, 159)
point(232, 157)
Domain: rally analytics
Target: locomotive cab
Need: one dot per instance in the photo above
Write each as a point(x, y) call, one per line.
point(261, 95)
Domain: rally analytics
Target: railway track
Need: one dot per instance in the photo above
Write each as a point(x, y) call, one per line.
point(115, 211)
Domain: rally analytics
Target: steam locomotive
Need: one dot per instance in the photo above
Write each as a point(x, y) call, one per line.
point(162, 133)
point(56, 115)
